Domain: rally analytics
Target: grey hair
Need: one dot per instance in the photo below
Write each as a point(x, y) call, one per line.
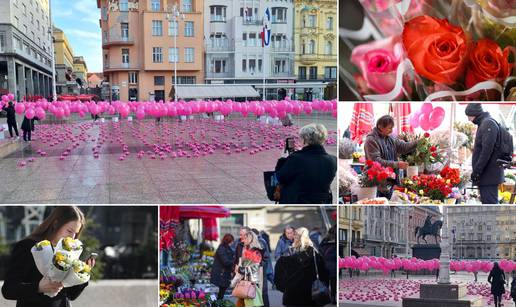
point(313, 134)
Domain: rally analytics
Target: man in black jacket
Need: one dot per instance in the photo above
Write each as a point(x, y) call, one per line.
point(306, 175)
point(11, 119)
point(487, 175)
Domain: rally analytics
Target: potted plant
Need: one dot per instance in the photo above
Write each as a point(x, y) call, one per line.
point(373, 175)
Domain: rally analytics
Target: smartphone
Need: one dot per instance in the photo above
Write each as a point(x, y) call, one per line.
point(290, 144)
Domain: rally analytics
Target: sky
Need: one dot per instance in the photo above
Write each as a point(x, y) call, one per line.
point(79, 19)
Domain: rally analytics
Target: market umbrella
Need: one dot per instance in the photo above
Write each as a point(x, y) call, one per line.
point(402, 117)
point(85, 97)
point(204, 212)
point(361, 121)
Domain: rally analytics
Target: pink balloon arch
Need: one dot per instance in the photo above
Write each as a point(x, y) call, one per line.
point(413, 264)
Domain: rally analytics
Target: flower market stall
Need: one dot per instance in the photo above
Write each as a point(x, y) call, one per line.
point(439, 165)
point(428, 50)
point(186, 262)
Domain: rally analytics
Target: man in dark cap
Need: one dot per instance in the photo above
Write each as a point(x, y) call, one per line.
point(486, 174)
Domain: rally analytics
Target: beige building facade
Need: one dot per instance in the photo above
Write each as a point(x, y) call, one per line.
point(142, 40)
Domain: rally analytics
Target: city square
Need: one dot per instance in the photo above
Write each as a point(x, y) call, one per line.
point(388, 258)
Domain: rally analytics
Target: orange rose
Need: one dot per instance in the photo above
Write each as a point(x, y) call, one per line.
point(437, 49)
point(487, 62)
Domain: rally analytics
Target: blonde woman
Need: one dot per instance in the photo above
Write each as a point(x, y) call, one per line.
point(250, 267)
point(295, 274)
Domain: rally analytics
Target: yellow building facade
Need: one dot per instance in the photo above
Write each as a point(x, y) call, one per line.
point(351, 228)
point(315, 39)
point(62, 49)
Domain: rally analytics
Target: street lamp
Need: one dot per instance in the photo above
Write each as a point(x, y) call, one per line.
point(173, 15)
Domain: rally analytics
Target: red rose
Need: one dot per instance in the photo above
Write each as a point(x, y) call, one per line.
point(427, 135)
point(433, 148)
point(437, 49)
point(434, 154)
point(487, 62)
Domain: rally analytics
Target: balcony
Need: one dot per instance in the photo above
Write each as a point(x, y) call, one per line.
point(121, 66)
point(250, 21)
point(309, 58)
point(282, 48)
point(117, 40)
point(220, 47)
point(215, 75)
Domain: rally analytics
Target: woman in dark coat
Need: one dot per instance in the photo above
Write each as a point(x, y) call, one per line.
point(223, 266)
point(295, 274)
point(11, 119)
point(27, 127)
point(328, 248)
point(497, 280)
point(306, 175)
point(23, 281)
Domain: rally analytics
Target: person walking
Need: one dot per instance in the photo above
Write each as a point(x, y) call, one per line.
point(513, 290)
point(222, 265)
point(305, 176)
point(27, 128)
point(296, 273)
point(284, 242)
point(266, 260)
point(328, 248)
point(381, 147)
point(23, 281)
point(497, 280)
point(250, 267)
point(487, 175)
point(11, 119)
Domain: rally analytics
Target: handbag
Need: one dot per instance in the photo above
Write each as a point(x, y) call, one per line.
point(320, 292)
point(245, 289)
point(271, 185)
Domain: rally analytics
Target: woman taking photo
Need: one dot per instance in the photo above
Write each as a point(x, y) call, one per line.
point(23, 281)
point(295, 274)
point(222, 265)
point(250, 267)
point(497, 280)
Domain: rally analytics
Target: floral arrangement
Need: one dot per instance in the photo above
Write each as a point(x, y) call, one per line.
point(425, 153)
point(375, 174)
point(180, 253)
point(431, 186)
point(348, 179)
point(468, 129)
point(357, 157)
point(464, 56)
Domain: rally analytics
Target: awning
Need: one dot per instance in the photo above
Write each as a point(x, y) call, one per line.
point(174, 213)
point(215, 91)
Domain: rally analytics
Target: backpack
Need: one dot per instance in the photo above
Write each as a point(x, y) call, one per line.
point(504, 144)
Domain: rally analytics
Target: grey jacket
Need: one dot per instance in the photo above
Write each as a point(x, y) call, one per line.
point(386, 150)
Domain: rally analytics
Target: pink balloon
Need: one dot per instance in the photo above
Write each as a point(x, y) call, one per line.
point(140, 113)
point(414, 120)
point(426, 108)
point(19, 108)
point(424, 122)
point(30, 113)
point(40, 113)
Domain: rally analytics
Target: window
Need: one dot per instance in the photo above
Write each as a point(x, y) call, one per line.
point(244, 39)
point(187, 6)
point(329, 48)
point(133, 77)
point(159, 95)
point(186, 80)
point(2, 42)
point(252, 40)
point(302, 73)
point(260, 65)
point(173, 55)
point(155, 5)
point(125, 56)
point(311, 47)
point(244, 65)
point(189, 28)
point(279, 15)
point(311, 21)
point(217, 13)
point(330, 72)
point(219, 40)
point(252, 66)
point(124, 26)
point(313, 72)
point(280, 66)
point(157, 28)
point(218, 65)
point(157, 54)
point(159, 80)
point(172, 28)
point(329, 23)
point(189, 55)
point(124, 6)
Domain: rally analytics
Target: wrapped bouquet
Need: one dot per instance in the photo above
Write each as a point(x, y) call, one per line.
point(61, 264)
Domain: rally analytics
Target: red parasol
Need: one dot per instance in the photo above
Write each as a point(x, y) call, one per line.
point(402, 117)
point(192, 212)
point(361, 121)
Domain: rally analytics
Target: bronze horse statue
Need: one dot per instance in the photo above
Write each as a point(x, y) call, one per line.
point(429, 229)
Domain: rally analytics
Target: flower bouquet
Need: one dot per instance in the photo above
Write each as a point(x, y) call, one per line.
point(62, 264)
point(436, 50)
point(432, 186)
point(425, 154)
point(249, 257)
point(374, 177)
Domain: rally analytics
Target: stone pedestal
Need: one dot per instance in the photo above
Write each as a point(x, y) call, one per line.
point(441, 295)
point(426, 251)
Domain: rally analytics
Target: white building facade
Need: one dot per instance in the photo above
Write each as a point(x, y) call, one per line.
point(233, 44)
point(25, 48)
